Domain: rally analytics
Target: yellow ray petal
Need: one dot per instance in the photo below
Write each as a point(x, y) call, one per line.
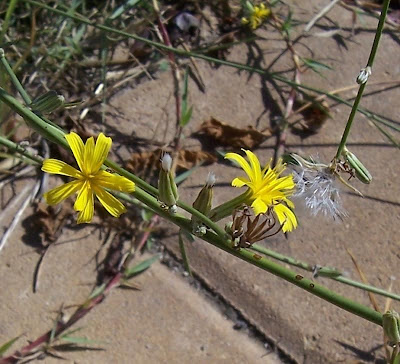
point(77, 147)
point(110, 203)
point(86, 215)
point(85, 194)
point(285, 217)
point(54, 166)
point(242, 163)
point(259, 206)
point(113, 182)
point(88, 157)
point(60, 193)
point(255, 165)
point(240, 182)
point(103, 145)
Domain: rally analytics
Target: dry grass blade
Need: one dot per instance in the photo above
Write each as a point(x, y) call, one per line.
point(364, 279)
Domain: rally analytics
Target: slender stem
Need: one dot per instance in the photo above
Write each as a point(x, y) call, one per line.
point(210, 236)
point(326, 272)
point(185, 258)
point(14, 78)
point(370, 63)
point(265, 264)
point(56, 135)
point(6, 22)
point(216, 238)
point(16, 148)
point(300, 281)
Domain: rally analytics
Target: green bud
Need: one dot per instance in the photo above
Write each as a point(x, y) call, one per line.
point(250, 7)
point(364, 75)
point(390, 323)
point(167, 189)
point(204, 199)
point(362, 173)
point(203, 204)
point(48, 102)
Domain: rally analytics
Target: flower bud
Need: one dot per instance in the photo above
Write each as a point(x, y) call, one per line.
point(48, 102)
point(364, 75)
point(204, 199)
point(167, 189)
point(362, 173)
point(390, 323)
point(203, 204)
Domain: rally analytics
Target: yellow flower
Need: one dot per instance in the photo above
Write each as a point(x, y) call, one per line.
point(90, 180)
point(257, 14)
point(266, 188)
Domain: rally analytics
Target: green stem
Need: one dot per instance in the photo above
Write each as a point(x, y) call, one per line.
point(6, 22)
point(14, 78)
point(326, 272)
point(217, 238)
point(265, 264)
point(185, 258)
point(56, 135)
point(304, 283)
point(16, 148)
point(210, 236)
point(370, 63)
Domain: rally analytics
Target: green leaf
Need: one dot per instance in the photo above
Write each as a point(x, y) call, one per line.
point(185, 118)
point(141, 267)
point(97, 291)
point(146, 215)
point(386, 134)
point(122, 8)
point(70, 332)
point(315, 65)
point(7, 345)
point(163, 66)
point(188, 236)
point(81, 340)
point(186, 113)
point(287, 24)
point(185, 175)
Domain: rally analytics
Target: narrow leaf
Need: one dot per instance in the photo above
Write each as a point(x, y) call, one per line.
point(81, 340)
point(141, 267)
point(7, 345)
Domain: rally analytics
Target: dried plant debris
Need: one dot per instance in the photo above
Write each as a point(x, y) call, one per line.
point(223, 134)
point(51, 219)
point(187, 159)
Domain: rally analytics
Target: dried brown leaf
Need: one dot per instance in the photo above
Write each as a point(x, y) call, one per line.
point(51, 221)
point(187, 159)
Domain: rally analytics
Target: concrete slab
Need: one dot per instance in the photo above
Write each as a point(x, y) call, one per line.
point(166, 321)
point(310, 330)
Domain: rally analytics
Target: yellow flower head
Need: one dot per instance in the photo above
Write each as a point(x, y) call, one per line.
point(257, 14)
point(90, 180)
point(266, 188)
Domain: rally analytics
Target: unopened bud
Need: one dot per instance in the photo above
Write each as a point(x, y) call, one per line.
point(364, 75)
point(203, 203)
point(362, 173)
point(391, 327)
point(167, 189)
point(48, 102)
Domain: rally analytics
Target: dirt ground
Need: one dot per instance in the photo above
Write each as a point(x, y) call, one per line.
point(171, 321)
